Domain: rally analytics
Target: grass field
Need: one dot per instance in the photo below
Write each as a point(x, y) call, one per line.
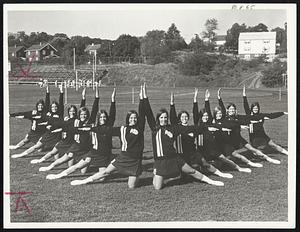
point(259, 196)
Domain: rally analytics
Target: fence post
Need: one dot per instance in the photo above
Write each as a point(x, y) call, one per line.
point(66, 94)
point(280, 94)
point(76, 81)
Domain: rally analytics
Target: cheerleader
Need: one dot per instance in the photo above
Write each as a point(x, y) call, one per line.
point(129, 161)
point(237, 140)
point(35, 116)
point(257, 134)
point(100, 154)
point(82, 139)
point(220, 144)
point(185, 143)
point(167, 163)
point(67, 138)
point(48, 140)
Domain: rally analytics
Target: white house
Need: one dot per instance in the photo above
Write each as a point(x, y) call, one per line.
point(220, 40)
point(254, 44)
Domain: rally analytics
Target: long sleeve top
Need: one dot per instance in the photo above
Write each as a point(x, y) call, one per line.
point(102, 134)
point(36, 117)
point(256, 126)
point(163, 137)
point(184, 143)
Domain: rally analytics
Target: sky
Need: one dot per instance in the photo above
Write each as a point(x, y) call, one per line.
point(109, 22)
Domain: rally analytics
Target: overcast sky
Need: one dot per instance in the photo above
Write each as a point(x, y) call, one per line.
point(109, 23)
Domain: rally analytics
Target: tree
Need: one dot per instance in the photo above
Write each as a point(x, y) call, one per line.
point(232, 36)
point(272, 76)
point(174, 40)
point(211, 25)
point(281, 39)
point(196, 44)
point(258, 28)
point(153, 46)
point(126, 45)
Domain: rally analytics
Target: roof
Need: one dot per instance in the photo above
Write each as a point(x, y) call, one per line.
point(92, 47)
point(39, 47)
point(220, 37)
point(14, 49)
point(257, 35)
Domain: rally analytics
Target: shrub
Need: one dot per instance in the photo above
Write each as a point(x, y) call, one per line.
point(272, 75)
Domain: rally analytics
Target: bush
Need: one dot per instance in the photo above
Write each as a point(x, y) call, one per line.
point(196, 64)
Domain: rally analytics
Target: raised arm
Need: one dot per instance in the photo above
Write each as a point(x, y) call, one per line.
point(173, 116)
point(245, 102)
point(47, 100)
point(207, 106)
point(26, 114)
point(142, 119)
point(95, 107)
point(82, 103)
point(61, 102)
point(195, 108)
point(221, 104)
point(148, 110)
point(112, 109)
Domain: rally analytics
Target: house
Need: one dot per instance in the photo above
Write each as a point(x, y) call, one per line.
point(16, 52)
point(255, 44)
point(92, 49)
point(40, 51)
point(220, 40)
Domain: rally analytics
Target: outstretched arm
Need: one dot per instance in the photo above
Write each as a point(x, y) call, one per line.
point(173, 116)
point(245, 102)
point(47, 99)
point(82, 104)
point(221, 104)
point(142, 120)
point(95, 107)
point(112, 109)
point(61, 102)
point(207, 106)
point(195, 108)
point(148, 110)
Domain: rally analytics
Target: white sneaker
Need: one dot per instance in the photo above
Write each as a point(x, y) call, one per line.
point(17, 155)
point(217, 183)
point(248, 170)
point(51, 177)
point(35, 161)
point(256, 165)
point(273, 161)
point(12, 147)
point(227, 175)
point(44, 169)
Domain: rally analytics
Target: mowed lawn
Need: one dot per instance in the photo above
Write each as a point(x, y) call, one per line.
point(259, 196)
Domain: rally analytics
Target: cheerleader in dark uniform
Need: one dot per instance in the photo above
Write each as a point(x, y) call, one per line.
point(220, 146)
point(185, 143)
point(82, 139)
point(36, 116)
point(67, 138)
point(257, 134)
point(48, 140)
point(167, 163)
point(100, 154)
point(129, 161)
point(237, 140)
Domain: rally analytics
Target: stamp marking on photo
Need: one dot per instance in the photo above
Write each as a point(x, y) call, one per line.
point(20, 200)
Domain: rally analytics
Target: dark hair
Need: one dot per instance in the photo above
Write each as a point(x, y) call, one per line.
point(231, 104)
point(129, 113)
point(54, 102)
point(255, 104)
point(84, 109)
point(160, 112)
point(98, 116)
point(74, 107)
point(182, 112)
point(41, 101)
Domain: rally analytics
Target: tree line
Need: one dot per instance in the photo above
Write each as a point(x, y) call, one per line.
point(156, 46)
